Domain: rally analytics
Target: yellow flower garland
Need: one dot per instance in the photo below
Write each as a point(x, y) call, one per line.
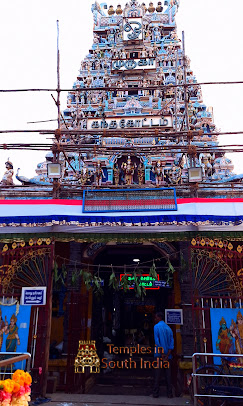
point(16, 391)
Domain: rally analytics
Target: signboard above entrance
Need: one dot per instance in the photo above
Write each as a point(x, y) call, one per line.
point(145, 280)
point(134, 64)
point(129, 122)
point(129, 200)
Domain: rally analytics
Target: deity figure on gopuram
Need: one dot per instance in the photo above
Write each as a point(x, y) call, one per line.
point(7, 179)
point(128, 169)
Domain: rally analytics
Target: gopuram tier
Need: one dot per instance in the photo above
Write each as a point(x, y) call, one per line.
point(135, 116)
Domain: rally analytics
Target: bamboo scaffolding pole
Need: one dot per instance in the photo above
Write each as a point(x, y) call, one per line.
point(156, 131)
point(175, 99)
point(107, 150)
point(55, 189)
point(111, 88)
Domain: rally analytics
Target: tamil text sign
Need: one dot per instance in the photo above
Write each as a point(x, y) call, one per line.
point(144, 280)
point(132, 29)
point(131, 122)
point(134, 64)
point(33, 296)
point(174, 316)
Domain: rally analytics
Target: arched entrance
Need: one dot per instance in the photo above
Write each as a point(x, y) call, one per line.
point(126, 320)
point(216, 283)
point(29, 264)
point(115, 317)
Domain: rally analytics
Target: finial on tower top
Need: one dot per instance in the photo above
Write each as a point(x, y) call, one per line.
point(111, 11)
point(151, 8)
point(119, 10)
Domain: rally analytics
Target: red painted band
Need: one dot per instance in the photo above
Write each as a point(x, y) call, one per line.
point(66, 202)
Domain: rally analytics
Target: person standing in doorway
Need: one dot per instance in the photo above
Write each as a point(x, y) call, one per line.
point(164, 344)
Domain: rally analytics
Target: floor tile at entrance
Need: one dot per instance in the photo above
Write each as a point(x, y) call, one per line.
point(63, 399)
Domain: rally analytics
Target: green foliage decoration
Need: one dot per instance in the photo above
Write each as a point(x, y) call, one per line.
point(140, 291)
point(75, 277)
point(113, 282)
point(124, 284)
point(152, 272)
point(87, 279)
point(96, 283)
point(170, 270)
point(59, 277)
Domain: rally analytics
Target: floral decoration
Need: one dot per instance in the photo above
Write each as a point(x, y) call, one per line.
point(16, 391)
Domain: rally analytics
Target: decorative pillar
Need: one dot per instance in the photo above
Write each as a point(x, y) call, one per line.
point(110, 176)
point(147, 175)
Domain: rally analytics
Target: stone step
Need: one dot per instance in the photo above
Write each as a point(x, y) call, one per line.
point(138, 381)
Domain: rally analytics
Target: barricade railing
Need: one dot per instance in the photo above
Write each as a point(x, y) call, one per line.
point(195, 375)
point(8, 361)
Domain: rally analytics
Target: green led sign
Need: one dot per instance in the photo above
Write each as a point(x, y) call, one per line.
point(145, 280)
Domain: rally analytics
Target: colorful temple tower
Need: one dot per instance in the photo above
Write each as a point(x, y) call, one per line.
point(135, 123)
point(140, 120)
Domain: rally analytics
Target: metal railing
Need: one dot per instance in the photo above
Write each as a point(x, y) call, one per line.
point(8, 359)
point(195, 375)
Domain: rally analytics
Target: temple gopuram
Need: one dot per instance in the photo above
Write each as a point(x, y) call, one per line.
point(139, 125)
point(136, 209)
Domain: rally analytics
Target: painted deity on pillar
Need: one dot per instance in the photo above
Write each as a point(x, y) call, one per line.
point(2, 326)
point(11, 330)
point(236, 330)
point(116, 174)
point(14, 326)
point(140, 174)
point(224, 342)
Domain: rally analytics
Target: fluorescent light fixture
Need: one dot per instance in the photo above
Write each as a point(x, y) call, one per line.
point(195, 174)
point(53, 170)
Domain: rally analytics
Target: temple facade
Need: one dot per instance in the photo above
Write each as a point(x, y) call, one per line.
point(145, 215)
point(133, 123)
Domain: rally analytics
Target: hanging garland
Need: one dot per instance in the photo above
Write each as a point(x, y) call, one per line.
point(16, 302)
point(140, 290)
point(170, 271)
point(113, 282)
point(94, 282)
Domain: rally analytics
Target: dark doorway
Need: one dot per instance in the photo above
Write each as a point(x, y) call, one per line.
point(125, 320)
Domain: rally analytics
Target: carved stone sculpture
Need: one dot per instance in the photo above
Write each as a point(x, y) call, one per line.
point(99, 174)
point(158, 171)
point(7, 179)
point(128, 169)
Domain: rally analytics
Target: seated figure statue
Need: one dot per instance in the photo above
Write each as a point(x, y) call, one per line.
point(7, 179)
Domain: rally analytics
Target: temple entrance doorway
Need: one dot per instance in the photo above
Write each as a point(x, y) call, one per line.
point(125, 320)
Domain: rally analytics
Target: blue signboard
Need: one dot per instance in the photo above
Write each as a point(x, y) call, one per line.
point(161, 284)
point(33, 296)
point(129, 200)
point(173, 316)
